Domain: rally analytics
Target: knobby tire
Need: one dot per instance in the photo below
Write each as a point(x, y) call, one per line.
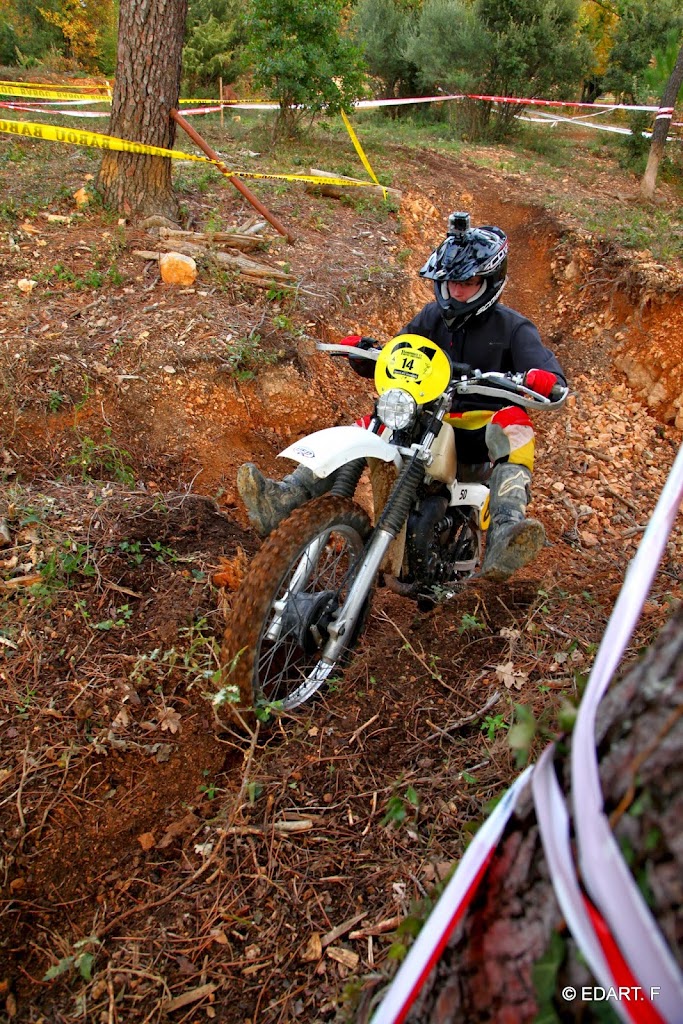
point(253, 603)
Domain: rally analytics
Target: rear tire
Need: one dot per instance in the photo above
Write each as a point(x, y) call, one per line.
point(281, 669)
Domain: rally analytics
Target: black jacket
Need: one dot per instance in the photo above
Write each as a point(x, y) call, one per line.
point(501, 339)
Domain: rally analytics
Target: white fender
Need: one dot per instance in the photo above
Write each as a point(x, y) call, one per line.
point(327, 450)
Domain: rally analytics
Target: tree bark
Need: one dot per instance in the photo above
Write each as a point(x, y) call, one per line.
point(151, 34)
point(661, 130)
point(486, 973)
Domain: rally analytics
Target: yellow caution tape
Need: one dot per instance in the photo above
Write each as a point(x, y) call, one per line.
point(80, 137)
point(361, 154)
point(50, 94)
point(97, 87)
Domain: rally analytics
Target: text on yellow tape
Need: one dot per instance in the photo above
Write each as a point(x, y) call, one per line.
point(76, 137)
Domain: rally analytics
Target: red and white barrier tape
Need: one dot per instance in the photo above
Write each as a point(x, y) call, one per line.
point(430, 943)
point(614, 929)
point(606, 876)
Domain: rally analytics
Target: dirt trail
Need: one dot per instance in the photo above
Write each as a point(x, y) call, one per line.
point(181, 860)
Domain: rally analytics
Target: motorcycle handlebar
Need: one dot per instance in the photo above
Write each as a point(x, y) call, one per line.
point(349, 351)
point(492, 383)
point(474, 382)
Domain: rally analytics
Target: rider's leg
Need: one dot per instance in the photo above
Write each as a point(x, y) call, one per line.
point(268, 501)
point(513, 540)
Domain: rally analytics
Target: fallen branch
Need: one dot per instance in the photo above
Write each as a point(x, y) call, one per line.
point(475, 716)
point(232, 239)
point(337, 191)
point(192, 996)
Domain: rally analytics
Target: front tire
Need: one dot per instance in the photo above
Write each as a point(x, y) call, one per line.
point(299, 578)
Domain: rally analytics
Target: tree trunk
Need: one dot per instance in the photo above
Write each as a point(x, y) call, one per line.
point(151, 34)
point(661, 129)
point(486, 973)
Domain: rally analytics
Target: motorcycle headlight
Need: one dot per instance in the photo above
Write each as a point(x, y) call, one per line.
point(397, 409)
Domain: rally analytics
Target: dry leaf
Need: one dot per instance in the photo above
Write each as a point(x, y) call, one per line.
point(146, 840)
point(313, 949)
point(169, 720)
point(122, 720)
point(178, 828)
point(513, 680)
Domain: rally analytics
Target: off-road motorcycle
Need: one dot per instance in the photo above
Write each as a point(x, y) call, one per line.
point(305, 599)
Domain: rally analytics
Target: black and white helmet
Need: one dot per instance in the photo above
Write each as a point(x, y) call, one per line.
point(468, 252)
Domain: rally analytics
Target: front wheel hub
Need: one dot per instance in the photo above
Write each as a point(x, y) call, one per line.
point(307, 617)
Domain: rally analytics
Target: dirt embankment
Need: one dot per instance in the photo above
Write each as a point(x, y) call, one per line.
point(135, 831)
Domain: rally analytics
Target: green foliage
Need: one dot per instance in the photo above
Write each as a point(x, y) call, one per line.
point(383, 28)
point(661, 66)
point(470, 622)
point(61, 34)
point(82, 960)
point(500, 47)
point(399, 806)
point(25, 35)
point(492, 725)
point(642, 27)
point(521, 735)
point(544, 977)
point(215, 42)
point(243, 357)
point(103, 460)
point(301, 57)
point(636, 146)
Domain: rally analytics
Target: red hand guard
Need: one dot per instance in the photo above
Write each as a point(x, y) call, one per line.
point(541, 381)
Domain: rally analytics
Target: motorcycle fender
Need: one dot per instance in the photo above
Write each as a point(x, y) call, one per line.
point(326, 450)
point(475, 496)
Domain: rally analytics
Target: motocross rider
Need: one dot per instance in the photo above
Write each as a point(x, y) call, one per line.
point(473, 327)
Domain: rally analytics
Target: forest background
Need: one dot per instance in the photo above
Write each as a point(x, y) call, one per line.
point(555, 49)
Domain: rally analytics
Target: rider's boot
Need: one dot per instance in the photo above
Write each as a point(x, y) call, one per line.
point(268, 501)
point(512, 540)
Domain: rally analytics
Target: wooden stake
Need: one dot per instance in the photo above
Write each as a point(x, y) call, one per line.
point(239, 185)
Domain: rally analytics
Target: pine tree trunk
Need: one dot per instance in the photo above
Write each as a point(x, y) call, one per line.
point(486, 973)
point(151, 34)
point(661, 130)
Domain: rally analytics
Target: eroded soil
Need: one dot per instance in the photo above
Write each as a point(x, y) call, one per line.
point(159, 865)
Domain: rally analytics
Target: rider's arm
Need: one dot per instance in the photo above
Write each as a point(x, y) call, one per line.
point(528, 352)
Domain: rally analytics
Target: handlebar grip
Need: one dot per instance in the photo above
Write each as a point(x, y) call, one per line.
point(461, 369)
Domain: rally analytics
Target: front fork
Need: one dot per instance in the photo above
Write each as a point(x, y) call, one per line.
point(389, 526)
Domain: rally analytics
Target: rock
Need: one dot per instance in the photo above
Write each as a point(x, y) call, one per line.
point(177, 269)
point(589, 540)
point(26, 285)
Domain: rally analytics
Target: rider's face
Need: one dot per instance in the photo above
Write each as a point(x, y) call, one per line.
point(462, 291)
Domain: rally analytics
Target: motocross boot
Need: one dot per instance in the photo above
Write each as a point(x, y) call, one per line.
point(512, 541)
point(268, 501)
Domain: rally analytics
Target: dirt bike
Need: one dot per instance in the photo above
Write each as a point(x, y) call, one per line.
point(305, 600)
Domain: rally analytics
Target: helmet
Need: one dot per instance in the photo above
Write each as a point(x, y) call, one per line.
point(468, 252)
